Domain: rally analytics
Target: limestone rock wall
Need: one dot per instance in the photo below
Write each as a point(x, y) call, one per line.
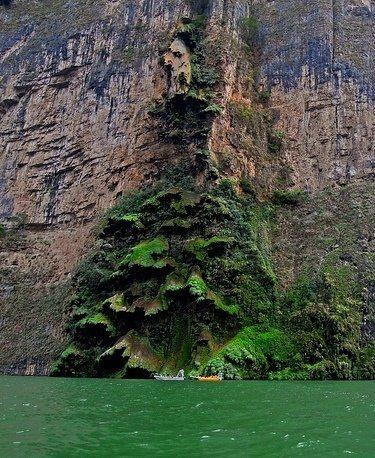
point(318, 61)
point(74, 124)
point(76, 85)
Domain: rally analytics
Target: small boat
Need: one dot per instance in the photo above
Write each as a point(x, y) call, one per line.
point(168, 378)
point(211, 378)
point(171, 378)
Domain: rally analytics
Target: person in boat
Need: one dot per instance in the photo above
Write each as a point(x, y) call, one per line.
point(181, 373)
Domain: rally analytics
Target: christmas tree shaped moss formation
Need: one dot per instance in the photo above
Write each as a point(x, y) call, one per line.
point(176, 273)
point(181, 277)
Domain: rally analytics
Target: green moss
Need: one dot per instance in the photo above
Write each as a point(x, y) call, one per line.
point(97, 320)
point(221, 304)
point(197, 287)
point(146, 254)
point(201, 248)
point(141, 355)
point(292, 197)
point(117, 303)
point(157, 199)
point(188, 200)
point(173, 283)
point(132, 219)
point(154, 296)
point(69, 352)
point(178, 223)
point(201, 292)
point(135, 354)
point(252, 353)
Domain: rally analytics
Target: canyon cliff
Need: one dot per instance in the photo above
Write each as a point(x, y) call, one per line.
point(269, 101)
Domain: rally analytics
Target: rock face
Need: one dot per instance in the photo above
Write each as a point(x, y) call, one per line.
point(77, 91)
point(178, 62)
point(321, 72)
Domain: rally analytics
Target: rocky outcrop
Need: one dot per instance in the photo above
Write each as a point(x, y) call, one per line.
point(178, 62)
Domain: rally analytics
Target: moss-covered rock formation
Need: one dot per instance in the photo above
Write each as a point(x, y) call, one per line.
point(181, 277)
point(189, 107)
point(178, 271)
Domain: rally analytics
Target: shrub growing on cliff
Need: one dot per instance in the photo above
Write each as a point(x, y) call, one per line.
point(264, 96)
point(250, 27)
point(292, 197)
point(275, 141)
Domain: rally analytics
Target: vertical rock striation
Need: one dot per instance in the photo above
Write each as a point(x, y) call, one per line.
point(318, 59)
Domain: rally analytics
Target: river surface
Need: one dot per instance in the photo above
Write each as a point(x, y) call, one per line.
point(52, 417)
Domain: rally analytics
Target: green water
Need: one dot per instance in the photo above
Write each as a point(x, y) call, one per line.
point(47, 417)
